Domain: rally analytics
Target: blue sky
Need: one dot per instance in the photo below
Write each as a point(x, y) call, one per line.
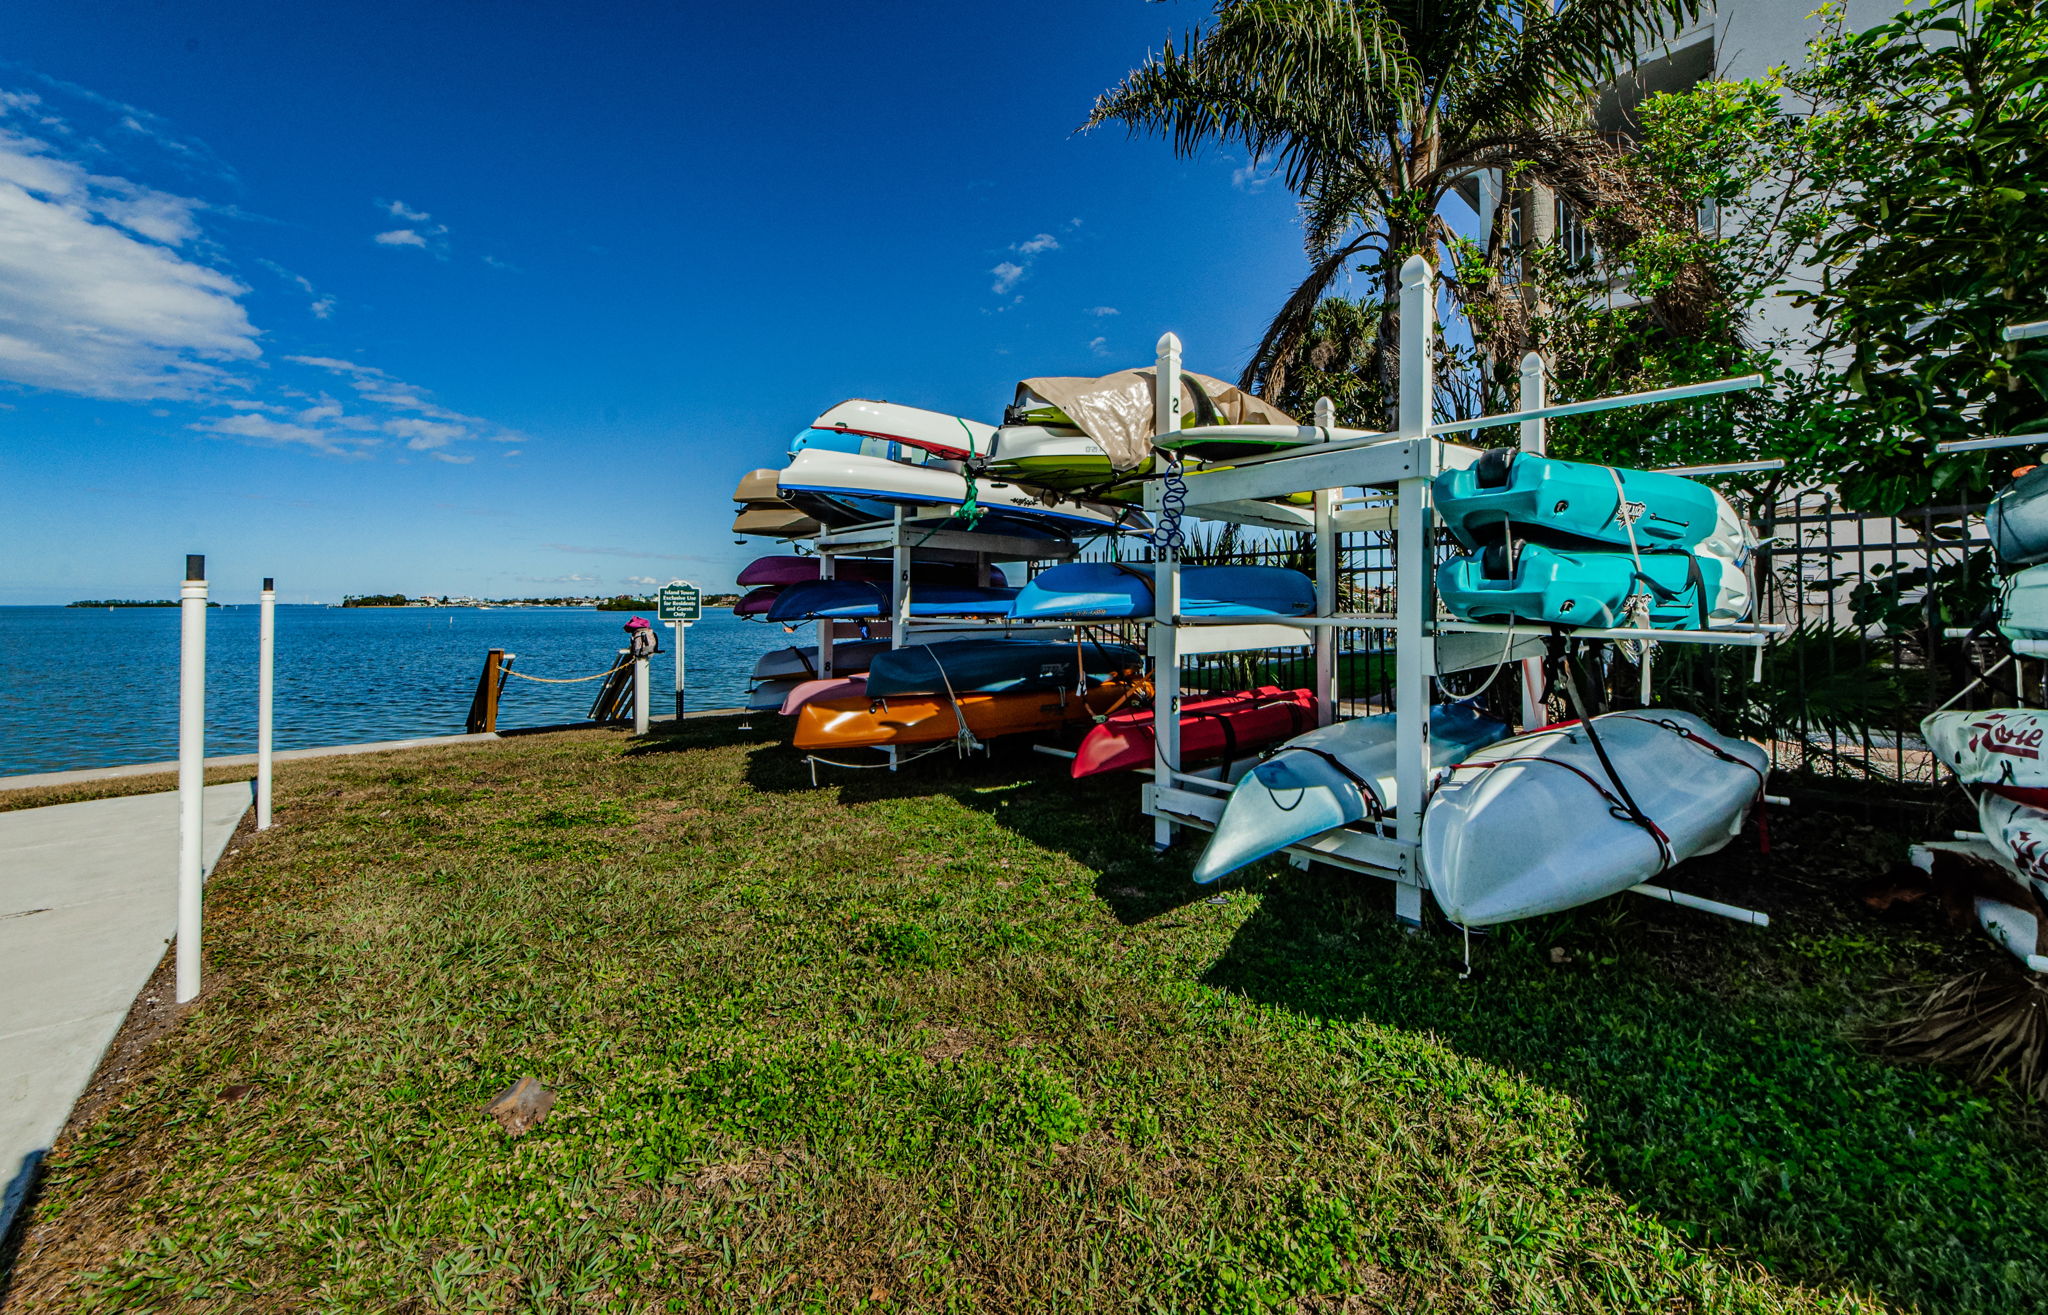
point(504, 298)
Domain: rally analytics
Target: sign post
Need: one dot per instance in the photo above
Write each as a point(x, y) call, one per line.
point(680, 603)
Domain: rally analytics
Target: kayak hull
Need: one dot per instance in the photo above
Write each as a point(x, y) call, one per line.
point(836, 687)
point(2003, 750)
point(790, 569)
point(2017, 521)
point(1573, 501)
point(947, 436)
point(814, 473)
point(1299, 793)
point(1548, 585)
point(916, 719)
point(856, 598)
point(1105, 589)
point(2023, 604)
point(1227, 727)
point(995, 666)
point(1529, 826)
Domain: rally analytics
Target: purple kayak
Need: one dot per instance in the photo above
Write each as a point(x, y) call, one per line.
point(757, 602)
point(773, 571)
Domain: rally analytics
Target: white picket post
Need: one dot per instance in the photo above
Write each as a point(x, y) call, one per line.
point(191, 771)
point(266, 691)
point(1414, 572)
point(1165, 640)
point(1535, 390)
point(1327, 693)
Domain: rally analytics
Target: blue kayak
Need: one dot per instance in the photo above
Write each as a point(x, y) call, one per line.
point(996, 666)
point(1321, 780)
point(858, 598)
point(1572, 501)
point(1107, 589)
point(1536, 583)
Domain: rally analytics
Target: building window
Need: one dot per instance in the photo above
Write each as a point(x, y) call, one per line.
point(1573, 237)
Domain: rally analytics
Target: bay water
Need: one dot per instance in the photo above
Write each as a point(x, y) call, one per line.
point(84, 687)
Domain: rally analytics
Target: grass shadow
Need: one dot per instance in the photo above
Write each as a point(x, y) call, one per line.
point(1716, 1066)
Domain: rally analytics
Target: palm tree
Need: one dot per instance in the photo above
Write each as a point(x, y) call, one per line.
point(1374, 110)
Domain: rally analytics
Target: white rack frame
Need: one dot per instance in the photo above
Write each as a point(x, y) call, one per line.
point(1404, 462)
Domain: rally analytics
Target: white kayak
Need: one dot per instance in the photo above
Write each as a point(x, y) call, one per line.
point(2000, 750)
point(2015, 926)
point(1327, 778)
point(2019, 832)
point(849, 474)
point(2023, 604)
point(1534, 825)
point(949, 436)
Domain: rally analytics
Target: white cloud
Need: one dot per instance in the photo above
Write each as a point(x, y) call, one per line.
point(1034, 245)
point(642, 579)
point(1251, 177)
point(1100, 311)
point(424, 435)
point(279, 433)
point(399, 210)
point(399, 237)
point(559, 579)
point(1100, 346)
point(322, 308)
point(419, 230)
point(95, 295)
point(1007, 274)
point(451, 458)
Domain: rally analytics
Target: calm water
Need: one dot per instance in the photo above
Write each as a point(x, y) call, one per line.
point(82, 688)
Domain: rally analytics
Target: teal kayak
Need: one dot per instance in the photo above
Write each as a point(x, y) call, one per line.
point(996, 666)
point(1328, 778)
point(1108, 589)
point(1574, 502)
point(1542, 585)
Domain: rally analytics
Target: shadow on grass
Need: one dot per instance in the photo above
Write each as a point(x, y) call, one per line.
point(1716, 1064)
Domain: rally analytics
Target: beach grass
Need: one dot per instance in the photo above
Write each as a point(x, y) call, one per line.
point(956, 1039)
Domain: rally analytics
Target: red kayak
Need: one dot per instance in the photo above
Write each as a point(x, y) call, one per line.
point(1229, 726)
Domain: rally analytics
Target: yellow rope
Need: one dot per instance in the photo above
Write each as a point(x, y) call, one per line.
point(572, 680)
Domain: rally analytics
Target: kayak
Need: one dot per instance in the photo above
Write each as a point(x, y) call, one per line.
point(1576, 502)
point(849, 476)
point(798, 570)
point(1223, 442)
point(837, 687)
point(996, 666)
point(2017, 520)
point(1330, 777)
point(2023, 604)
point(1227, 727)
point(1107, 589)
point(949, 436)
point(1544, 585)
point(770, 695)
point(913, 719)
point(2000, 750)
point(800, 661)
point(756, 602)
point(2019, 832)
point(779, 522)
point(1534, 824)
point(857, 598)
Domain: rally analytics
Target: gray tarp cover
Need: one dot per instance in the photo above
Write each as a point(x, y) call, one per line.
point(1116, 410)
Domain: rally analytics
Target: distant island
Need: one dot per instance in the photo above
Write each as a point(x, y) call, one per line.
point(628, 603)
point(129, 602)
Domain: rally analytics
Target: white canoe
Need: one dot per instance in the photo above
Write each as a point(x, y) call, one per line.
point(1528, 826)
point(949, 436)
point(1999, 750)
point(849, 474)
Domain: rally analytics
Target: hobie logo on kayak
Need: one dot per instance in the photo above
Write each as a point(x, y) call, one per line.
point(1628, 513)
point(2019, 742)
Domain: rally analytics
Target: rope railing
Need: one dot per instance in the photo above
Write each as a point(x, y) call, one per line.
point(565, 680)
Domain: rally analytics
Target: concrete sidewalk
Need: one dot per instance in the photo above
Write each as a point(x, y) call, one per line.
point(88, 899)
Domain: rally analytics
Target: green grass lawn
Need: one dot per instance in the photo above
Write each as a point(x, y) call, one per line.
point(956, 1039)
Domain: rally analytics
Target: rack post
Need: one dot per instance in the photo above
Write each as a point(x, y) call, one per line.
point(266, 689)
point(1327, 692)
point(828, 569)
point(899, 590)
point(191, 770)
point(1414, 569)
point(1533, 440)
point(1164, 640)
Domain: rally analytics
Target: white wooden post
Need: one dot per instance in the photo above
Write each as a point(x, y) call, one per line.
point(1414, 576)
point(266, 689)
point(191, 771)
point(1327, 692)
point(643, 696)
point(1164, 640)
point(899, 592)
point(1534, 440)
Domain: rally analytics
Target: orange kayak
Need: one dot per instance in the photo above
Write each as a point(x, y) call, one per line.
point(928, 718)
